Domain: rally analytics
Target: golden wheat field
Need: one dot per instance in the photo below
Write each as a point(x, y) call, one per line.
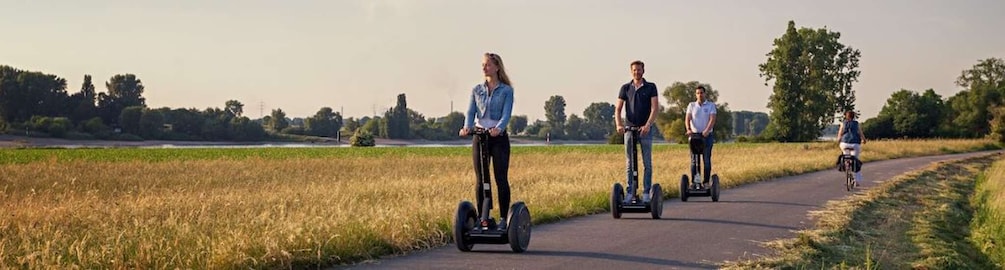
point(267, 208)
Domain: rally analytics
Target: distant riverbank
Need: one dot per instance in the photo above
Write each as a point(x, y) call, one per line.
point(10, 141)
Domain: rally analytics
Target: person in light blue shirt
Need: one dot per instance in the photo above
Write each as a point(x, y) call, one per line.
point(490, 109)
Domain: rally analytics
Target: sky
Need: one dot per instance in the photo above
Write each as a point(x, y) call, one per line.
point(357, 56)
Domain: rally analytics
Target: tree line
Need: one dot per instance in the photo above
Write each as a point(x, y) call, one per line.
point(810, 71)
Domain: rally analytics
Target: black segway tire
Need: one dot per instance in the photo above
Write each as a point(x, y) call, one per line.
point(715, 188)
point(464, 222)
point(518, 228)
point(656, 201)
point(683, 188)
point(617, 196)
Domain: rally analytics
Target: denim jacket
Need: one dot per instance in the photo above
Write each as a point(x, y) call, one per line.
point(500, 107)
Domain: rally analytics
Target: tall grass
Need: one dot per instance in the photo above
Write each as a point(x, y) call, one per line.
point(917, 221)
point(988, 226)
point(279, 208)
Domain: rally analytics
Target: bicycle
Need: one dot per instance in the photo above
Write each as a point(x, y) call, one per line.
point(848, 166)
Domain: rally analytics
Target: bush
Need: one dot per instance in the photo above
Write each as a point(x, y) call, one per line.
point(52, 126)
point(94, 126)
point(295, 130)
point(362, 138)
point(58, 126)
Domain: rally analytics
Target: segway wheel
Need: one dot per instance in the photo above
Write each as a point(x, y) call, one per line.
point(715, 188)
point(683, 188)
point(656, 201)
point(518, 229)
point(464, 222)
point(617, 196)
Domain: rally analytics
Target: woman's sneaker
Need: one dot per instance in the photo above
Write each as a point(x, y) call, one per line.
point(502, 224)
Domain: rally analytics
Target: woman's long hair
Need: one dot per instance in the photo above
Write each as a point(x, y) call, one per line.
point(501, 74)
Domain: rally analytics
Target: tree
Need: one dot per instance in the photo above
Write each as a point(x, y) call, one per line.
point(123, 91)
point(913, 115)
point(554, 111)
point(574, 128)
point(185, 121)
point(25, 94)
point(129, 119)
point(234, 108)
point(969, 111)
point(599, 117)
point(454, 121)
point(151, 124)
point(723, 129)
point(880, 127)
point(813, 75)
point(749, 123)
point(517, 124)
point(277, 120)
point(397, 123)
point(372, 126)
point(998, 124)
point(324, 123)
point(82, 103)
point(351, 124)
point(679, 95)
point(988, 72)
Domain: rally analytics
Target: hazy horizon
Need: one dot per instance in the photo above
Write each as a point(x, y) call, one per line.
point(357, 56)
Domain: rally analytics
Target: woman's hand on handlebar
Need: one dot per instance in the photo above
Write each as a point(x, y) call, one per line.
point(494, 131)
point(621, 129)
point(464, 132)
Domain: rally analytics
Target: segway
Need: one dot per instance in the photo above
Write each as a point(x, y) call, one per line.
point(695, 188)
point(630, 202)
point(471, 227)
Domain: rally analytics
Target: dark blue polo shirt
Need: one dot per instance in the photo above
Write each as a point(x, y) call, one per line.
point(638, 102)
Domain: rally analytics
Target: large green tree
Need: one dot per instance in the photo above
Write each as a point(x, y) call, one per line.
point(813, 73)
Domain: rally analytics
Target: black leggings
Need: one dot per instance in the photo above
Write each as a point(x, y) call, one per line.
point(498, 150)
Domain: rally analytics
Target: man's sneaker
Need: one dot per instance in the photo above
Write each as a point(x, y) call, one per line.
point(856, 183)
point(645, 197)
point(502, 224)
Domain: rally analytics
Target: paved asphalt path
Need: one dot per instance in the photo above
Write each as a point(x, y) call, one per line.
point(697, 234)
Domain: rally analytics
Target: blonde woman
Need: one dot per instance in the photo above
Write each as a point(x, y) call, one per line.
point(490, 109)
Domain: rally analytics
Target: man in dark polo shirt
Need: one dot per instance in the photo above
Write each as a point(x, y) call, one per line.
point(640, 100)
